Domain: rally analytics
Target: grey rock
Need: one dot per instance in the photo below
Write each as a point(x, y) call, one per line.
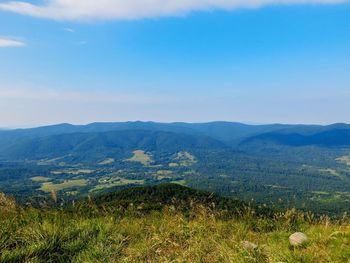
point(298, 239)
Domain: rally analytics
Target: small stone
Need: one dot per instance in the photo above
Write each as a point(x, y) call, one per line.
point(249, 245)
point(297, 239)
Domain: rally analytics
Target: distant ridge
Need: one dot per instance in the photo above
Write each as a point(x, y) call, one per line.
point(327, 137)
point(97, 145)
point(226, 131)
point(101, 139)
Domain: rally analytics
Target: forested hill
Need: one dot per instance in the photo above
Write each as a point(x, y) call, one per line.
point(149, 198)
point(330, 138)
point(224, 131)
point(64, 139)
point(104, 144)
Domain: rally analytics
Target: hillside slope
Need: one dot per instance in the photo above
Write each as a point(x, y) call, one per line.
point(156, 197)
point(330, 138)
point(104, 144)
point(202, 233)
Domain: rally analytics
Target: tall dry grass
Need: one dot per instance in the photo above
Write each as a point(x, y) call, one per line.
point(91, 234)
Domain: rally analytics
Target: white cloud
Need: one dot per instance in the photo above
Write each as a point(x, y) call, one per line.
point(7, 42)
point(69, 30)
point(135, 9)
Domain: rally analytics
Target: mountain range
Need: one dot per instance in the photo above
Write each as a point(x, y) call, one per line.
point(114, 138)
point(303, 166)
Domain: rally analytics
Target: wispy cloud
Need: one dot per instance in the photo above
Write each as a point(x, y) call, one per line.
point(69, 30)
point(136, 9)
point(82, 43)
point(7, 42)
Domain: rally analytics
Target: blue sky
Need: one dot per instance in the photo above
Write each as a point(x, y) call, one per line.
point(270, 63)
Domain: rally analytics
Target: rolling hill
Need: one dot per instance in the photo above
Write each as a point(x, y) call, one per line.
point(330, 138)
point(225, 131)
point(105, 144)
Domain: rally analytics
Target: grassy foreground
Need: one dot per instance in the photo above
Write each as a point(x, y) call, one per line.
point(201, 234)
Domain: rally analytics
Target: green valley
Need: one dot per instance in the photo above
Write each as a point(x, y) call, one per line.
point(279, 166)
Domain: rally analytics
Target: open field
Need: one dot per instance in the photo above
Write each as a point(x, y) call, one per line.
point(163, 174)
point(337, 197)
point(112, 181)
point(51, 161)
point(40, 179)
point(185, 159)
point(180, 182)
point(141, 157)
point(73, 171)
point(107, 161)
point(344, 159)
point(332, 172)
point(49, 186)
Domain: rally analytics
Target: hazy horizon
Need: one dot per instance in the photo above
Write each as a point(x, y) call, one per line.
point(166, 122)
